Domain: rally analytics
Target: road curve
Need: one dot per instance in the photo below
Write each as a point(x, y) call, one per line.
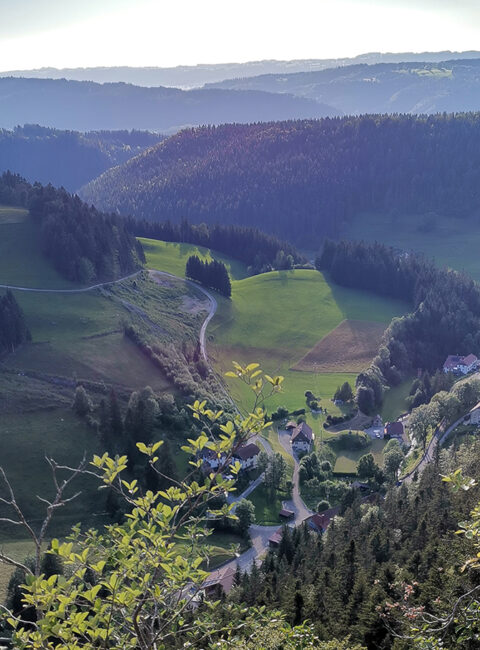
point(93, 286)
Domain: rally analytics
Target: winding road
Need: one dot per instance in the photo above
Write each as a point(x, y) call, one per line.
point(259, 534)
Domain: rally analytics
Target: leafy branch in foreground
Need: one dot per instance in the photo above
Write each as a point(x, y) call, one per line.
point(138, 585)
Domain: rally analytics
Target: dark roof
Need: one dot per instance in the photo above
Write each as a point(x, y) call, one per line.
point(394, 429)
point(286, 513)
point(248, 451)
point(302, 433)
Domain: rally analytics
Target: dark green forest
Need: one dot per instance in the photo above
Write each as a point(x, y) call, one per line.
point(83, 244)
point(302, 180)
point(349, 577)
point(445, 316)
point(213, 275)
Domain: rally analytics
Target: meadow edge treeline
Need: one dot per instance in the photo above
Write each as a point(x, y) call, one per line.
point(83, 244)
point(445, 315)
point(303, 180)
point(258, 250)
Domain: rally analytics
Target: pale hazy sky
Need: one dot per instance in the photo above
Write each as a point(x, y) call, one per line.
point(73, 33)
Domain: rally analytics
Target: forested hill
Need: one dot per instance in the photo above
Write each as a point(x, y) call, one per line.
point(84, 245)
point(88, 106)
point(413, 87)
point(68, 159)
point(302, 180)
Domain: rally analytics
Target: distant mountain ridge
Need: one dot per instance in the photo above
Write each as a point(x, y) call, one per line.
point(405, 87)
point(184, 76)
point(88, 106)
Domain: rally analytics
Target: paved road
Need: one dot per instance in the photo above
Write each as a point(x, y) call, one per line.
point(296, 503)
point(232, 498)
point(94, 286)
point(438, 438)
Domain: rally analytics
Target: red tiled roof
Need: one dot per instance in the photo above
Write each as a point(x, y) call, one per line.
point(469, 359)
point(276, 538)
point(321, 520)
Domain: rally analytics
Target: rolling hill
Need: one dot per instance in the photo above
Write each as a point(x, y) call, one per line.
point(68, 159)
point(184, 76)
point(408, 87)
point(305, 180)
point(87, 106)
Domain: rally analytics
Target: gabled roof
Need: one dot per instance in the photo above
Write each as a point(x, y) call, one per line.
point(291, 425)
point(247, 451)
point(223, 578)
point(276, 538)
point(453, 360)
point(302, 433)
point(469, 359)
point(286, 513)
point(394, 429)
point(321, 520)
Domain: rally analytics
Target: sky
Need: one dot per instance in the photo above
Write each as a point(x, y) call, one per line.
point(73, 33)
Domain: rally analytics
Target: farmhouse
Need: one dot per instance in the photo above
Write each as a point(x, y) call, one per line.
point(320, 521)
point(219, 582)
point(247, 456)
point(302, 437)
point(393, 430)
point(460, 365)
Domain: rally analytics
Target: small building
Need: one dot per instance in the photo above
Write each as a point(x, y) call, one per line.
point(291, 425)
point(247, 456)
point(286, 514)
point(460, 365)
point(320, 521)
point(302, 438)
point(219, 582)
point(275, 539)
point(393, 430)
point(357, 485)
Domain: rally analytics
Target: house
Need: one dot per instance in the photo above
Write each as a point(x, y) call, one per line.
point(460, 365)
point(211, 459)
point(287, 514)
point(290, 426)
point(247, 456)
point(393, 430)
point(302, 437)
point(320, 521)
point(357, 485)
point(275, 539)
point(219, 582)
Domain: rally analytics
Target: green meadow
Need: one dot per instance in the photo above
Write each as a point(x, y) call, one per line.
point(172, 257)
point(450, 242)
point(21, 260)
point(275, 318)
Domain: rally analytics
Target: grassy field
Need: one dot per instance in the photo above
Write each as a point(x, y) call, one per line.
point(348, 348)
point(394, 403)
point(172, 257)
point(277, 318)
point(21, 260)
point(267, 506)
point(451, 242)
point(347, 460)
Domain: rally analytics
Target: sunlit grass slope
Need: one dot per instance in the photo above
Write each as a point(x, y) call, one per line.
point(275, 318)
point(172, 257)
